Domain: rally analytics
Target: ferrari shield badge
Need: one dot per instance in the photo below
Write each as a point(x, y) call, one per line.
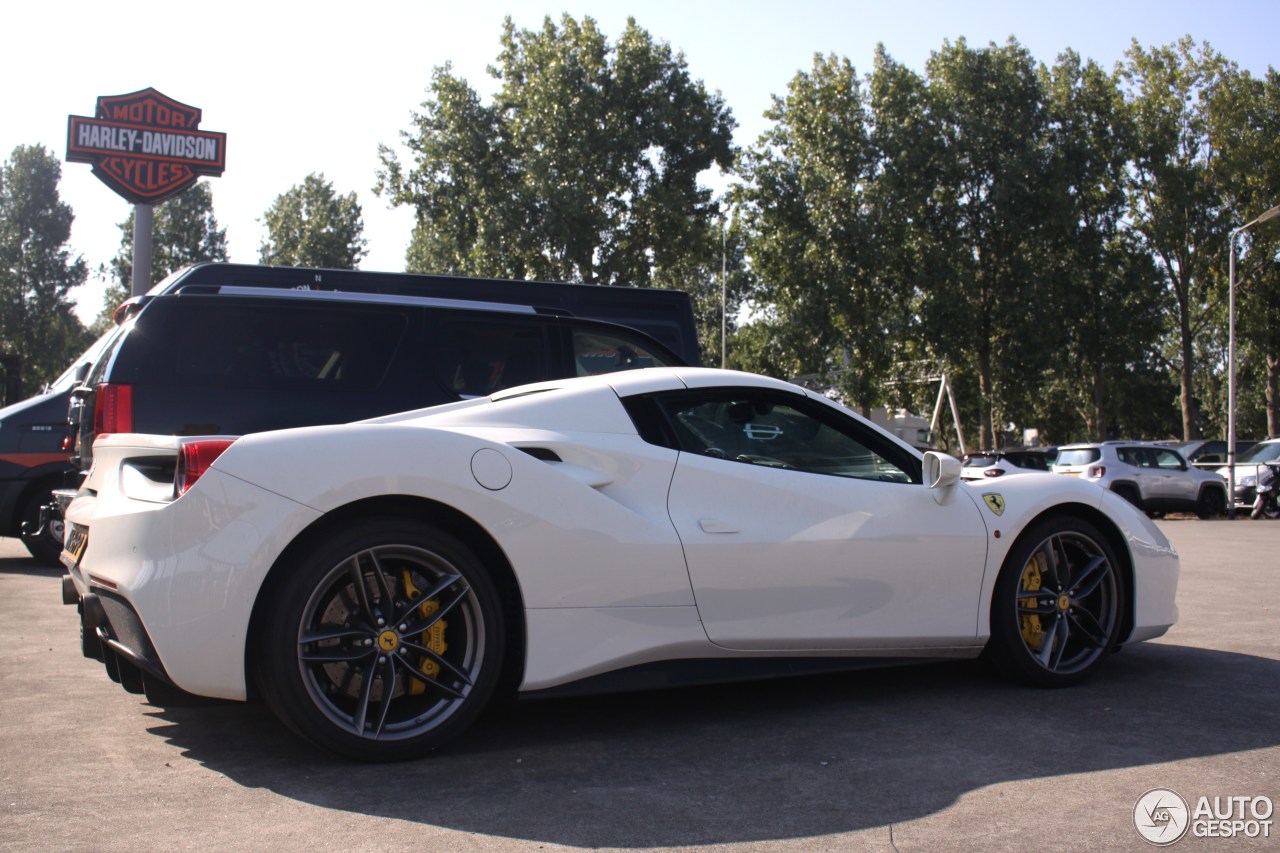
point(995, 502)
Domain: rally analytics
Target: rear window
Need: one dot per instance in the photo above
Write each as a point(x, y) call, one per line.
point(976, 461)
point(1081, 456)
point(212, 343)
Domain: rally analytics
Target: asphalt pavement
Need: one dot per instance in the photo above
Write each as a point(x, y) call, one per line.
point(938, 757)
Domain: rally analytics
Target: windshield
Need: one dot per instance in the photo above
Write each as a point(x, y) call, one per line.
point(1265, 452)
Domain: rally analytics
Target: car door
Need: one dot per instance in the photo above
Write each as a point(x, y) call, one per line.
point(806, 529)
point(1175, 484)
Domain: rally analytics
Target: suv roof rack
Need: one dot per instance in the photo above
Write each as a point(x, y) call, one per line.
point(374, 298)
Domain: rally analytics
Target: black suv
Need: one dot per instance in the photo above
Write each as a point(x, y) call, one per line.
point(224, 349)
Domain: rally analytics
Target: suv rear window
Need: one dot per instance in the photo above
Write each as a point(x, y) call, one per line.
point(1079, 456)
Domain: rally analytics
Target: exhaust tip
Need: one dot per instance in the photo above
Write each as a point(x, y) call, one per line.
point(69, 593)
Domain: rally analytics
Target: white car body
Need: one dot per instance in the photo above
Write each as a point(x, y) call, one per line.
point(624, 552)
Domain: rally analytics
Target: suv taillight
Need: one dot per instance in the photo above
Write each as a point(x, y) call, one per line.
point(1095, 472)
point(194, 458)
point(112, 409)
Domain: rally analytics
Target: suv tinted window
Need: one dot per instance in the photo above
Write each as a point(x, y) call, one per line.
point(604, 352)
point(476, 356)
point(263, 346)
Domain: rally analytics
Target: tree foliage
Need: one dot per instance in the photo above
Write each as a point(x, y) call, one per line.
point(184, 231)
point(583, 168)
point(1246, 129)
point(1177, 208)
point(818, 245)
point(1100, 276)
point(37, 271)
point(310, 225)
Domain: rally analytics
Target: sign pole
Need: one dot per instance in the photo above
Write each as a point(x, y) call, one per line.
point(143, 216)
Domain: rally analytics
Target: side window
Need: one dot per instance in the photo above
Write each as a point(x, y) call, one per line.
point(477, 356)
point(1129, 456)
point(597, 352)
point(780, 430)
point(216, 343)
point(1168, 460)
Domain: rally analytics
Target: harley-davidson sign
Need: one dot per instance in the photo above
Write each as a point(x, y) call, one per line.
point(146, 146)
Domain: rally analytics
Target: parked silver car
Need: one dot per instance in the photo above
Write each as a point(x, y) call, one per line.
point(1153, 477)
point(1247, 466)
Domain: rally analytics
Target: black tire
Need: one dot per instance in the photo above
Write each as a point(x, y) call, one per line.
point(1055, 610)
point(45, 548)
point(1212, 503)
point(383, 642)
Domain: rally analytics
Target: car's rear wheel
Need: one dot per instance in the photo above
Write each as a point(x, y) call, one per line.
point(1055, 611)
point(383, 641)
point(1212, 503)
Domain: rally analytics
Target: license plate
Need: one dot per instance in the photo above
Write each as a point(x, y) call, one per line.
point(77, 540)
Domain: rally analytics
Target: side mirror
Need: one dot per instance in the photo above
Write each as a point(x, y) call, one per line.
point(940, 470)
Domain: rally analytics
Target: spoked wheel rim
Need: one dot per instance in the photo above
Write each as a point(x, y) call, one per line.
point(391, 642)
point(1067, 603)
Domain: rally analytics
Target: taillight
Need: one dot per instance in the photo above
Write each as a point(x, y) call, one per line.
point(1095, 471)
point(112, 409)
point(194, 458)
point(993, 472)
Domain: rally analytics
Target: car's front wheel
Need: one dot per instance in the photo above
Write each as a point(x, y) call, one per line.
point(383, 641)
point(1055, 611)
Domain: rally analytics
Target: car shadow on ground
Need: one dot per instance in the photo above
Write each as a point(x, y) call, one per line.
point(786, 758)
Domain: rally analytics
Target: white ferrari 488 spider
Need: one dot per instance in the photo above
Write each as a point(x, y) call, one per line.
point(378, 583)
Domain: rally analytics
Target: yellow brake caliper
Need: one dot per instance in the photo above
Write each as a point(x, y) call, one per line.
point(1032, 630)
point(432, 638)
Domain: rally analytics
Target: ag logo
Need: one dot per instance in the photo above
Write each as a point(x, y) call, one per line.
point(1161, 817)
point(995, 502)
point(145, 145)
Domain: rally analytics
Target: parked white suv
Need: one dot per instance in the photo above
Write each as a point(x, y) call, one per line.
point(1153, 477)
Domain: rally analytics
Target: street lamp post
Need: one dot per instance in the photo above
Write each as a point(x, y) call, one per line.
point(1231, 356)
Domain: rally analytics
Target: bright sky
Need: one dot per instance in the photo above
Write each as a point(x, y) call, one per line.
point(316, 86)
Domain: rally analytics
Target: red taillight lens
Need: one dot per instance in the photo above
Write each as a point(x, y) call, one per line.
point(112, 409)
point(194, 458)
point(993, 472)
point(1095, 471)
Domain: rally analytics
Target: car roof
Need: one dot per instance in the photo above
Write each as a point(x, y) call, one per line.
point(628, 383)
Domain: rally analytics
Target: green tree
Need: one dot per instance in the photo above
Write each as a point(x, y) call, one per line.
point(312, 226)
point(985, 225)
point(815, 244)
point(1245, 126)
point(1177, 206)
point(584, 167)
point(184, 231)
point(1100, 277)
point(37, 271)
